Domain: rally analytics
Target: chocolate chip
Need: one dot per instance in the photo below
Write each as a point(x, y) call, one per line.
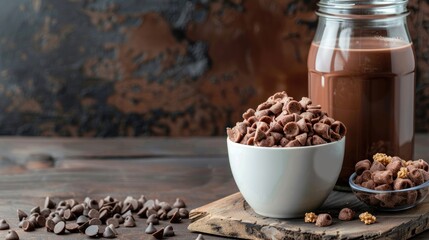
point(199, 237)
point(41, 221)
point(109, 233)
point(113, 221)
point(101, 229)
point(27, 226)
point(171, 212)
point(50, 225)
point(4, 225)
point(83, 227)
point(152, 219)
point(150, 229)
point(68, 215)
point(184, 213)
point(49, 203)
point(158, 234)
point(57, 219)
point(129, 221)
point(142, 199)
point(119, 218)
point(93, 213)
point(11, 235)
point(151, 211)
point(77, 210)
point(92, 231)
point(142, 212)
point(45, 212)
point(60, 228)
point(82, 219)
point(93, 204)
point(168, 231)
point(21, 214)
point(72, 227)
point(95, 221)
point(21, 223)
point(179, 203)
point(35, 210)
point(176, 218)
point(113, 229)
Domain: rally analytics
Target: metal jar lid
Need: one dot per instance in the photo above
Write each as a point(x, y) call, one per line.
point(362, 8)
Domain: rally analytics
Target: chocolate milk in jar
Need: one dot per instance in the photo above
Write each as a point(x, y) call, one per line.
point(361, 70)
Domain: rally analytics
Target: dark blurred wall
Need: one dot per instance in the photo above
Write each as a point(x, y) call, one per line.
point(159, 67)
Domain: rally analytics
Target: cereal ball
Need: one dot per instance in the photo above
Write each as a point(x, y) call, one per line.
point(323, 220)
point(346, 214)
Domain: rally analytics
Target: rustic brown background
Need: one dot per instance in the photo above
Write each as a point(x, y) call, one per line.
point(172, 67)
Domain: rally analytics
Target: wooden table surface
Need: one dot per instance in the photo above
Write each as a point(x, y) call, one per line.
point(195, 169)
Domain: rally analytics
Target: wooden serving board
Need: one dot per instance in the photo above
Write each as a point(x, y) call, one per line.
point(232, 217)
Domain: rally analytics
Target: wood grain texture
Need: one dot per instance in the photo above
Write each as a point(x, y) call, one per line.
point(233, 217)
point(195, 169)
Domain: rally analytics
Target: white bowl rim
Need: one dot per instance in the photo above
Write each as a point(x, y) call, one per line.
point(286, 148)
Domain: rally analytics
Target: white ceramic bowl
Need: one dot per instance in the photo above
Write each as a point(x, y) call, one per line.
point(285, 182)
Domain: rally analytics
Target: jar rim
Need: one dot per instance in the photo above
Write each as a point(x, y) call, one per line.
point(368, 8)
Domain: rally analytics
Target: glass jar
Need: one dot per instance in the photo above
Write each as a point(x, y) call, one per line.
point(361, 71)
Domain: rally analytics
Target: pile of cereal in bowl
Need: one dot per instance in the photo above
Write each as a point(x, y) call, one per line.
point(282, 121)
point(390, 183)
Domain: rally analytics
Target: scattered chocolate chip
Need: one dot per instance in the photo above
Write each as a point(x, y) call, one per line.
point(158, 234)
point(60, 228)
point(21, 223)
point(142, 212)
point(119, 218)
point(93, 213)
point(184, 213)
point(95, 221)
point(150, 229)
point(92, 231)
point(200, 237)
point(57, 219)
point(11, 235)
point(172, 211)
point(77, 210)
point(113, 221)
point(179, 203)
point(50, 225)
point(27, 226)
point(168, 231)
point(113, 229)
point(152, 219)
point(68, 215)
point(45, 212)
point(151, 212)
point(83, 227)
point(176, 218)
point(4, 225)
point(109, 233)
point(82, 219)
point(35, 210)
point(21, 214)
point(72, 227)
point(129, 222)
point(49, 203)
point(41, 221)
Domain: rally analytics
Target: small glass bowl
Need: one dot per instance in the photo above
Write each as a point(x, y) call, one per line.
point(392, 200)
